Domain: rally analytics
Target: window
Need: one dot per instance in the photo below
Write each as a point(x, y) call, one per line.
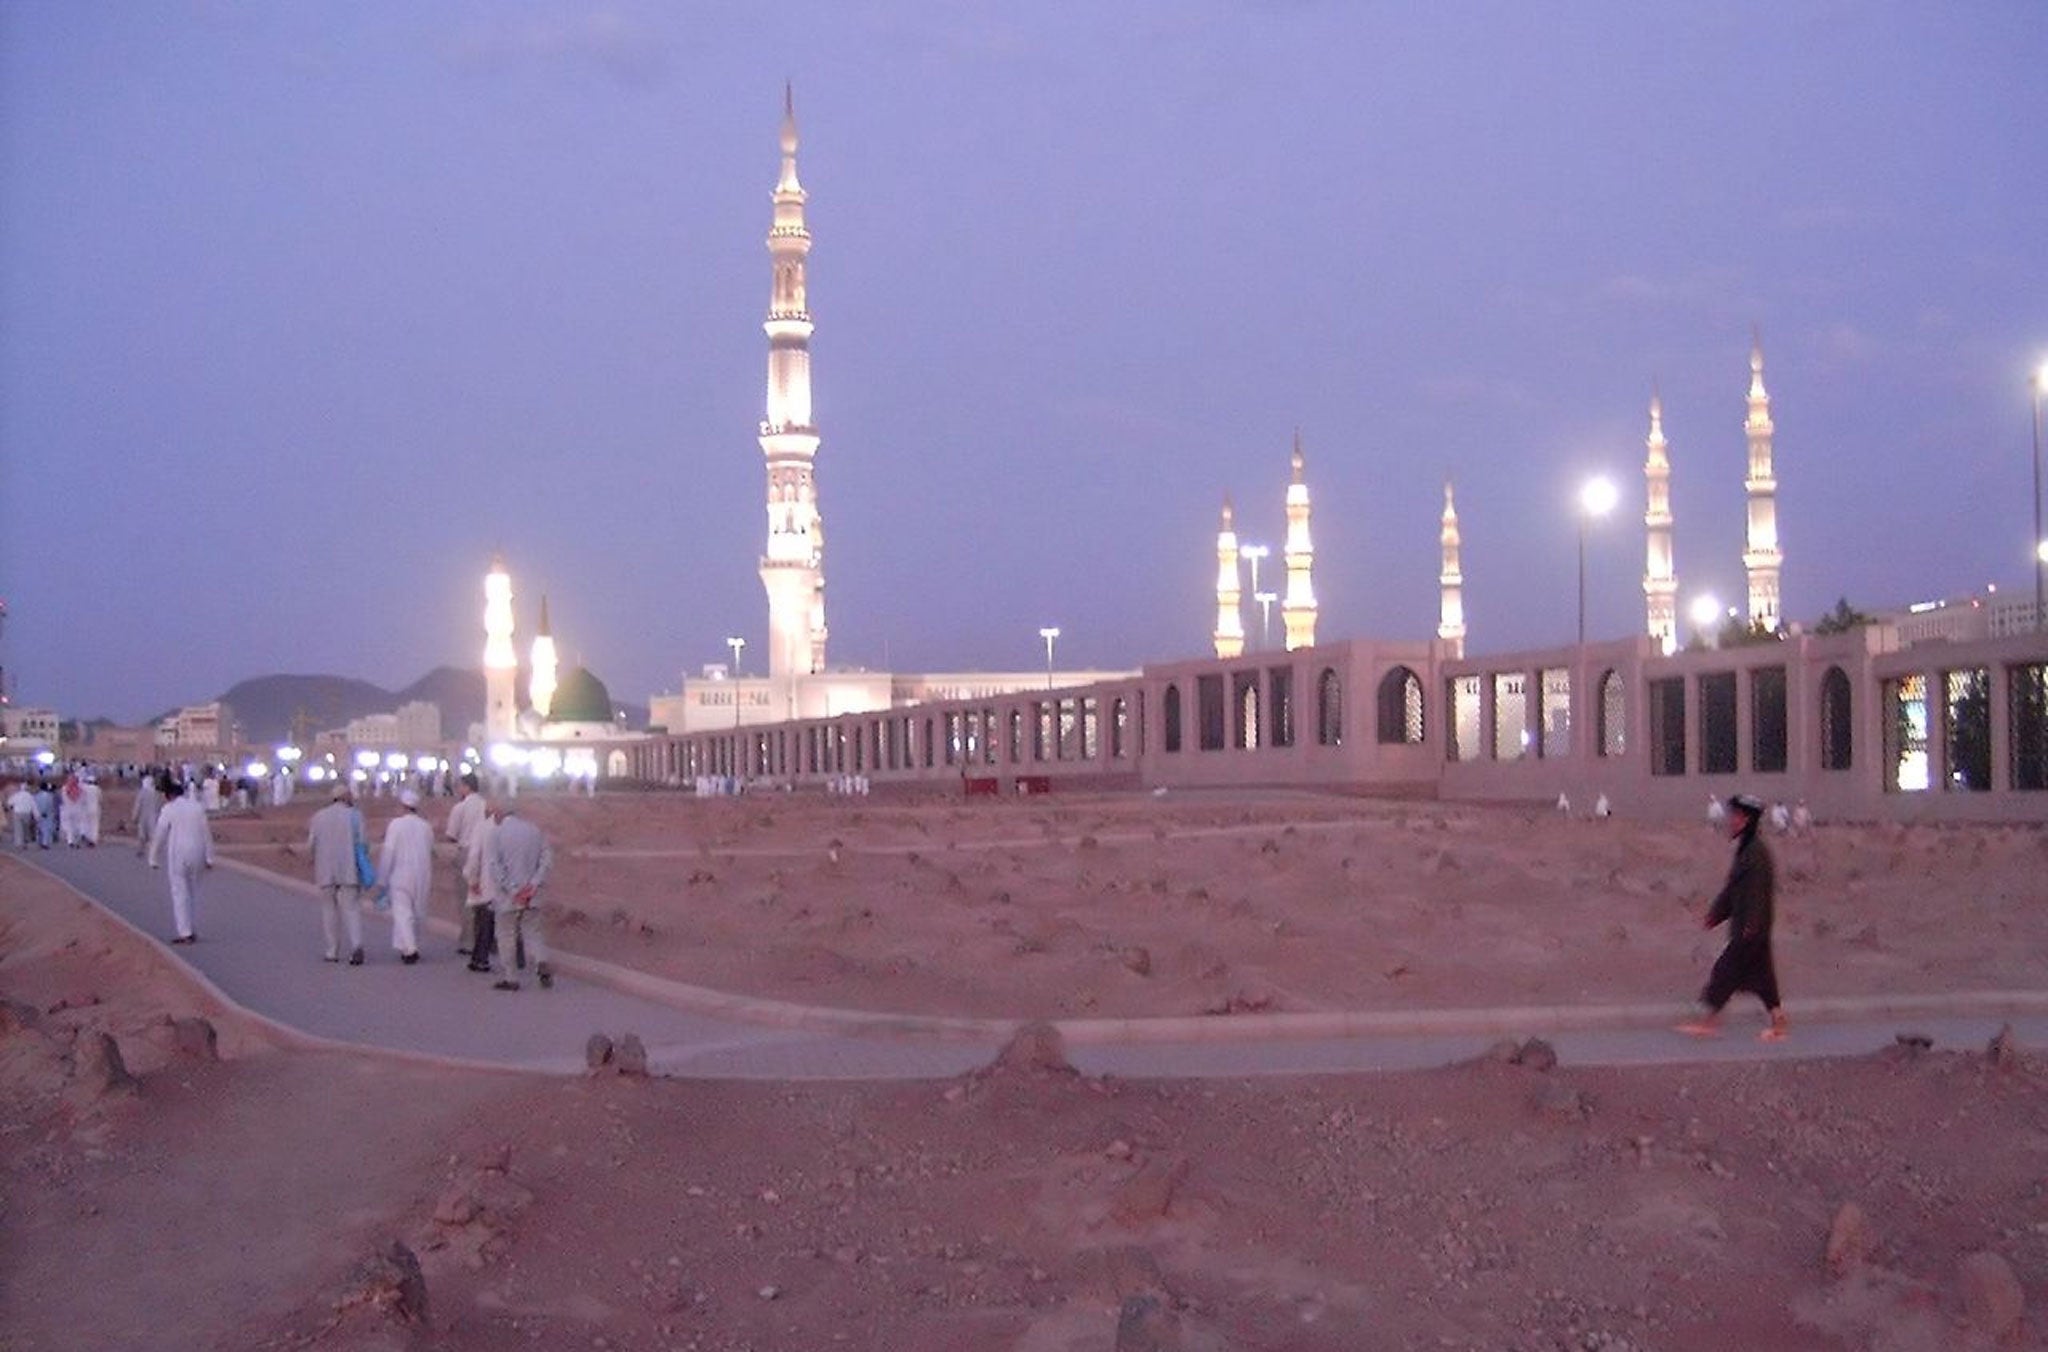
point(1465, 743)
point(1767, 739)
point(1667, 726)
point(1400, 708)
point(1169, 709)
point(1244, 686)
point(1119, 717)
point(1554, 733)
point(1613, 715)
point(1905, 734)
point(1280, 717)
point(1329, 709)
point(1210, 712)
point(1510, 715)
point(1717, 723)
point(1016, 736)
point(1966, 710)
point(2028, 687)
point(1089, 728)
point(1836, 729)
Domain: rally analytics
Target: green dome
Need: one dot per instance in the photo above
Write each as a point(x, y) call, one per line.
point(580, 698)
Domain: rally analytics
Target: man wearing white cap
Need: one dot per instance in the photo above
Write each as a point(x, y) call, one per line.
point(407, 870)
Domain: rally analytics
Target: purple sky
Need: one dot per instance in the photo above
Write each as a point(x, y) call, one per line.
point(305, 308)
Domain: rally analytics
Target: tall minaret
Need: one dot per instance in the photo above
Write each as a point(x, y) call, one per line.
point(793, 569)
point(1229, 635)
point(1763, 556)
point(501, 664)
point(1451, 613)
point(1660, 580)
point(541, 684)
point(1298, 606)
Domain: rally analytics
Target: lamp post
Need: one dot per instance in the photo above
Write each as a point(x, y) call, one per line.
point(1049, 633)
point(2040, 541)
point(1265, 600)
point(1596, 499)
point(738, 646)
point(1253, 553)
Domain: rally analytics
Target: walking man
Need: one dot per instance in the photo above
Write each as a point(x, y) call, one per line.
point(463, 820)
point(21, 814)
point(406, 868)
point(1746, 902)
point(331, 836)
point(183, 847)
point(148, 802)
point(518, 863)
point(479, 901)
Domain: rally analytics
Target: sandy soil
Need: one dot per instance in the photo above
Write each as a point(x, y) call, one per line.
point(233, 1204)
point(1131, 905)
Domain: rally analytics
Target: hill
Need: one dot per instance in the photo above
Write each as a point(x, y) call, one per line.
point(268, 706)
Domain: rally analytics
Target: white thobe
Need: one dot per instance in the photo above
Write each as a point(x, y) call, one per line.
point(91, 825)
point(184, 844)
point(406, 869)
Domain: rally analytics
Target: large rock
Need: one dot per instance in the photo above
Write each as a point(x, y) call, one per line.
point(389, 1284)
point(1038, 1048)
point(195, 1038)
point(100, 1065)
point(1147, 1195)
point(597, 1051)
point(1991, 1293)
point(630, 1057)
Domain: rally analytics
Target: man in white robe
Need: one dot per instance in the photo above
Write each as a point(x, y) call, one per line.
point(89, 826)
point(21, 812)
point(463, 821)
point(406, 869)
point(148, 803)
point(183, 848)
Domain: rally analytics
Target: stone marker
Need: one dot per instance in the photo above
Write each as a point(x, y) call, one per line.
point(390, 1282)
point(631, 1057)
point(1991, 1293)
point(1848, 1240)
point(597, 1051)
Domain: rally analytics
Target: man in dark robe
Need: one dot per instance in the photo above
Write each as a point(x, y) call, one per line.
point(1746, 902)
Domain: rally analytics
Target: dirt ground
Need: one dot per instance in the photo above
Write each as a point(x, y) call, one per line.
point(240, 1203)
point(1133, 905)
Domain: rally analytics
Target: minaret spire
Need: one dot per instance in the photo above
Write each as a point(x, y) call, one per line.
point(793, 567)
point(1229, 634)
point(1762, 558)
point(1298, 607)
point(541, 684)
point(1451, 612)
point(1660, 580)
point(501, 663)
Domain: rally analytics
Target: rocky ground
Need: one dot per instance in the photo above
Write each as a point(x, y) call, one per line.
point(281, 1198)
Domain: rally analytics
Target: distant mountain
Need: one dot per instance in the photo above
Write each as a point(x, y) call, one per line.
point(267, 707)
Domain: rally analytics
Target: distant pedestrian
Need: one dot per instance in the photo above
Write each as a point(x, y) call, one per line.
point(149, 800)
point(89, 810)
point(1746, 901)
point(331, 836)
point(406, 870)
point(71, 811)
point(46, 814)
point(518, 862)
point(21, 815)
point(183, 848)
point(463, 820)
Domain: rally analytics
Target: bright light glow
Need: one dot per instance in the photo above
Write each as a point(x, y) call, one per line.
point(1599, 496)
point(1254, 552)
point(1050, 631)
point(359, 776)
point(289, 754)
point(2041, 376)
point(544, 761)
point(2041, 551)
point(257, 770)
point(1705, 610)
point(366, 760)
point(504, 754)
point(315, 773)
point(580, 762)
point(396, 760)
point(46, 758)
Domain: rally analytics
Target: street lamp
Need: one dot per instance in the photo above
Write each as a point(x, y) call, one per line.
point(1596, 499)
point(738, 646)
point(1049, 633)
point(2040, 382)
point(1265, 600)
point(1254, 553)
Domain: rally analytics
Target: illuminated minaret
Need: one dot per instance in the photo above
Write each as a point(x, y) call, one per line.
point(793, 568)
point(1298, 607)
point(1763, 556)
point(1660, 580)
point(1451, 612)
point(501, 664)
point(1229, 635)
point(541, 685)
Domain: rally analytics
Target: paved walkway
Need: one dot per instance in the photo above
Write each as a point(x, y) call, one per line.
point(259, 947)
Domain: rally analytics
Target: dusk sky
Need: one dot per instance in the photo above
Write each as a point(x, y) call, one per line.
point(306, 308)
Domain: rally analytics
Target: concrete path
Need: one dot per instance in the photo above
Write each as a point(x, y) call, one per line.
point(259, 947)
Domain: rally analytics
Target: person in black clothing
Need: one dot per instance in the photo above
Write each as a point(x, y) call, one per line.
point(1746, 902)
